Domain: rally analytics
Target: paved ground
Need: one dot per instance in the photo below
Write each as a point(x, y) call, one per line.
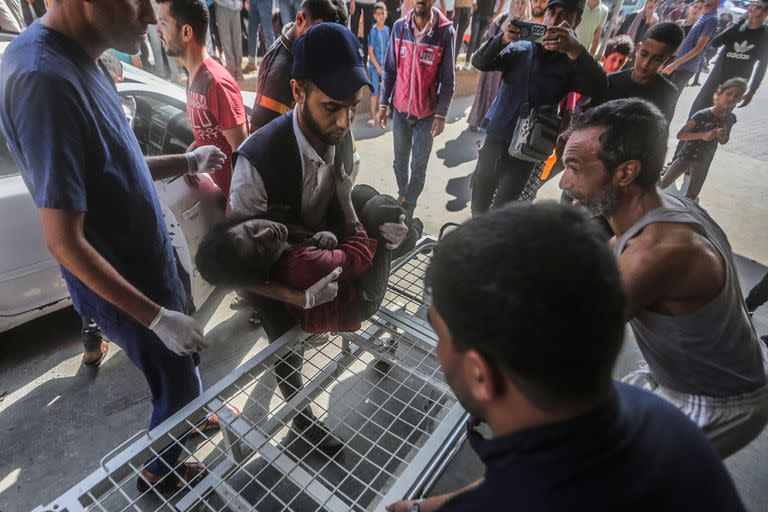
point(57, 419)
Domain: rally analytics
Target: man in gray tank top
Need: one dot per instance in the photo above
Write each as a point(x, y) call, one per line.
point(685, 305)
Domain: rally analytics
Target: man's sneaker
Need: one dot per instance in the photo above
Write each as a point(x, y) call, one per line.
point(320, 436)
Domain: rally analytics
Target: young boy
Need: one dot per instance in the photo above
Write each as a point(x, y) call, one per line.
point(377, 52)
point(618, 50)
point(643, 80)
point(700, 136)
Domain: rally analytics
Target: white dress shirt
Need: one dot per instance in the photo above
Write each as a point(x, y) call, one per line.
point(248, 197)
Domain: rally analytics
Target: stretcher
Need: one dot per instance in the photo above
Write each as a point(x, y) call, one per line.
point(380, 390)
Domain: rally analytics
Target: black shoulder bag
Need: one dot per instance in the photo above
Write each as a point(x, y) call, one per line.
point(536, 129)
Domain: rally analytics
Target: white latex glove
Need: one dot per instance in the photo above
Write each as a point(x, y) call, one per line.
point(179, 332)
point(324, 240)
point(205, 159)
point(323, 291)
point(394, 233)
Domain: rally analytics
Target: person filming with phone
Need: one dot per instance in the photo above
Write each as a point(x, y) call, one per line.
point(540, 65)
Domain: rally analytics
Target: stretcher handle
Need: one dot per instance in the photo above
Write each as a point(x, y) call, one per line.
point(108, 456)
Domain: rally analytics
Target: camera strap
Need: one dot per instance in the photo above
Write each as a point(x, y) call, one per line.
point(525, 107)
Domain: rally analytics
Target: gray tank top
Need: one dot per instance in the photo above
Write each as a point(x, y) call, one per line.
point(714, 351)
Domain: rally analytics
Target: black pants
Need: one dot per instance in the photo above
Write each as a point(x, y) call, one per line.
point(461, 19)
point(373, 210)
point(758, 295)
point(680, 78)
point(479, 26)
point(366, 11)
point(498, 178)
point(704, 99)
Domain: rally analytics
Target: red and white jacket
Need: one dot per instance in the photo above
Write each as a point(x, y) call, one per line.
point(418, 75)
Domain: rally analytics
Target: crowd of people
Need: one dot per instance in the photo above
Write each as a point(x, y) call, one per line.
point(305, 246)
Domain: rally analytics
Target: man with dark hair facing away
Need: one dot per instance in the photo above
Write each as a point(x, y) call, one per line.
point(273, 85)
point(684, 301)
point(564, 436)
point(214, 103)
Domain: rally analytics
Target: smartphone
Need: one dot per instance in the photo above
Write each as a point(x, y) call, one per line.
point(533, 32)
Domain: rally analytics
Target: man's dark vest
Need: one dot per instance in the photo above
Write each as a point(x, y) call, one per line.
point(274, 154)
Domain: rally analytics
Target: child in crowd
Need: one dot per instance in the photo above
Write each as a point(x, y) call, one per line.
point(618, 50)
point(378, 39)
point(701, 134)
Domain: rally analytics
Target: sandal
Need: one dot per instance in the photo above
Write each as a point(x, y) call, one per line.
point(371, 122)
point(186, 474)
point(238, 303)
point(212, 421)
point(104, 348)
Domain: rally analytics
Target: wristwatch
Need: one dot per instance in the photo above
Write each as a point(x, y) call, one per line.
point(416, 505)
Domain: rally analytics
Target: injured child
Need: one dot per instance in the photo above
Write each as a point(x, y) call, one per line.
point(246, 253)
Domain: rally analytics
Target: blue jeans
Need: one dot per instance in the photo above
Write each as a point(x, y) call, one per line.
point(410, 133)
point(259, 13)
point(173, 380)
point(288, 10)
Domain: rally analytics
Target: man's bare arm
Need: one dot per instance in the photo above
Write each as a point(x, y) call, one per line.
point(64, 236)
point(648, 273)
point(692, 54)
point(280, 293)
point(166, 166)
point(235, 136)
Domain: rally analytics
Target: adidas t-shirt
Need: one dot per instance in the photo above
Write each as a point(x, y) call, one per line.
point(742, 47)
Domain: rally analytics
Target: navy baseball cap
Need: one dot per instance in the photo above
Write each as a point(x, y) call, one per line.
point(330, 55)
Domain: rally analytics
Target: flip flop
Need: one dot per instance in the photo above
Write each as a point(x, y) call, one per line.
point(97, 362)
point(189, 475)
point(254, 319)
point(212, 421)
point(238, 303)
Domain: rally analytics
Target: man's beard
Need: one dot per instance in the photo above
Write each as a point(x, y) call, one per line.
point(314, 127)
point(604, 203)
point(539, 14)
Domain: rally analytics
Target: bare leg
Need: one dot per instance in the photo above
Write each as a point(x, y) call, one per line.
point(699, 171)
point(678, 167)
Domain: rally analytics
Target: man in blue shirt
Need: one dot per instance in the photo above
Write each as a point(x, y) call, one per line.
point(100, 215)
point(528, 348)
point(691, 51)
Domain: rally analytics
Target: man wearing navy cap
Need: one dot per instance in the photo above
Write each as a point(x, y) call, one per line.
point(287, 169)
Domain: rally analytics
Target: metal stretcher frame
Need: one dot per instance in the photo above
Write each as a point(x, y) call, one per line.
point(380, 390)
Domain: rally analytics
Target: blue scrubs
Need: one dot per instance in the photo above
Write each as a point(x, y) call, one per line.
point(76, 152)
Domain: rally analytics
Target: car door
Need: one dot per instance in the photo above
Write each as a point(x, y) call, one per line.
point(29, 276)
point(161, 127)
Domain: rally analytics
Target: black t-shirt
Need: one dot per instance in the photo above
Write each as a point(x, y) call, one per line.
point(637, 453)
point(659, 91)
point(743, 47)
point(702, 150)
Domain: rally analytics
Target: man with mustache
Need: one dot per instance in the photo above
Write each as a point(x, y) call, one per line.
point(685, 304)
point(287, 169)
